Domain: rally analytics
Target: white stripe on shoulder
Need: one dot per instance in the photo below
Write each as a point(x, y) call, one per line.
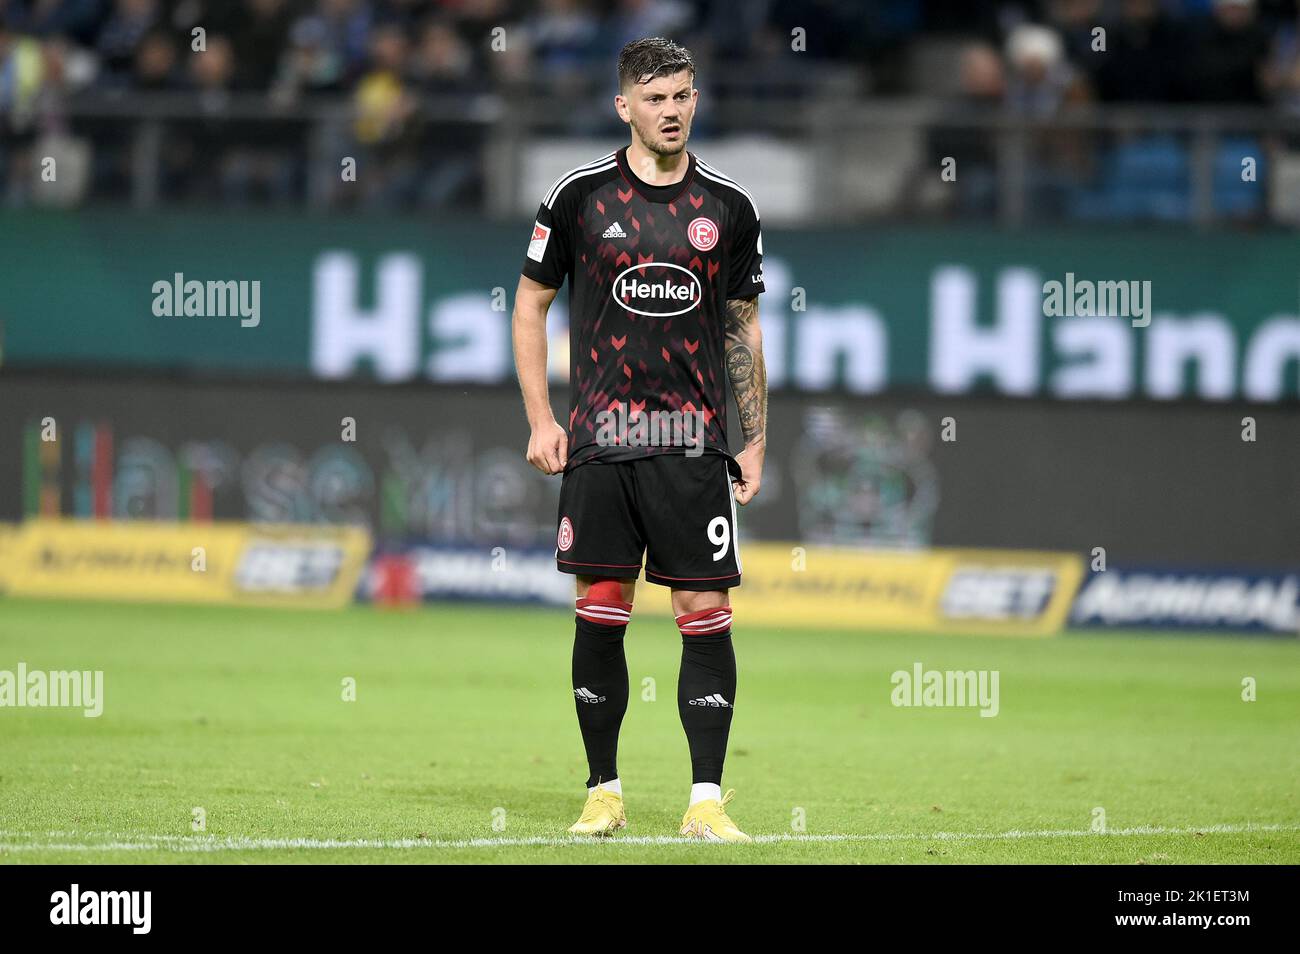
point(709, 172)
point(598, 165)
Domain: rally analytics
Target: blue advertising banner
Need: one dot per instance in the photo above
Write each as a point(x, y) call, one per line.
point(1190, 599)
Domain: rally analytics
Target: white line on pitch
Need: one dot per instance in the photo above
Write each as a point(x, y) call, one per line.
point(213, 843)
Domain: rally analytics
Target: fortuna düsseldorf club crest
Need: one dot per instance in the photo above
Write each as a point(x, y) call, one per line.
point(564, 540)
point(703, 233)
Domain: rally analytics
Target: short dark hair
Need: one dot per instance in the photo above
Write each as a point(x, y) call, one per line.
point(653, 56)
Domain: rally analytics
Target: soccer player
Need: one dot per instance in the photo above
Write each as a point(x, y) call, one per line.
point(663, 257)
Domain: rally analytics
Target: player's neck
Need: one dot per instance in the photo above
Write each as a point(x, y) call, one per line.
point(654, 169)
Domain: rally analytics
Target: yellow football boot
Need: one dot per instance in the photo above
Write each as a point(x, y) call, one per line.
point(708, 821)
point(602, 815)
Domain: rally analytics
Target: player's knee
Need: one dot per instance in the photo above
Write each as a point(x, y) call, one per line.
point(604, 606)
point(607, 589)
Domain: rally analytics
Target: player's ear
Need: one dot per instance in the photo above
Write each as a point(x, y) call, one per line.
point(620, 107)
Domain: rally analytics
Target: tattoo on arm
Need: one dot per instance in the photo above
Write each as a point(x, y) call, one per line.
point(745, 367)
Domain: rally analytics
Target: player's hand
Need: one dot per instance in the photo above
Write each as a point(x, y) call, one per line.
point(751, 472)
point(548, 448)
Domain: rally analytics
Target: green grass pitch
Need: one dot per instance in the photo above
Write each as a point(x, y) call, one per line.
point(462, 745)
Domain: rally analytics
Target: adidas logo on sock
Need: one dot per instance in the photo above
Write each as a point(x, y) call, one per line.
point(614, 231)
point(586, 695)
point(713, 700)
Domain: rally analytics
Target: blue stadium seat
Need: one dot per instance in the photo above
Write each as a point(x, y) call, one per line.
point(1148, 178)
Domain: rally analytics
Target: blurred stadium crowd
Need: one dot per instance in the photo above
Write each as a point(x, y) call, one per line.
point(421, 80)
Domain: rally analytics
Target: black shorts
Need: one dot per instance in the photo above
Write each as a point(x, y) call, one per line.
point(678, 510)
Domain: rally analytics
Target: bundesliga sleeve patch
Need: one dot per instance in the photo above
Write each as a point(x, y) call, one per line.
point(537, 247)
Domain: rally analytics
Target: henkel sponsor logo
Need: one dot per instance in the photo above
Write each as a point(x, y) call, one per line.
point(658, 290)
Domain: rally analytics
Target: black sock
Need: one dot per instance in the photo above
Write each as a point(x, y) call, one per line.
point(600, 693)
point(706, 692)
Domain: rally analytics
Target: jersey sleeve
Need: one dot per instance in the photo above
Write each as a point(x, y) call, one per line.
point(550, 249)
point(746, 277)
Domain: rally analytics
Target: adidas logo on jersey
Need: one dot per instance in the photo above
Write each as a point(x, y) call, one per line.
point(713, 700)
point(586, 695)
point(614, 231)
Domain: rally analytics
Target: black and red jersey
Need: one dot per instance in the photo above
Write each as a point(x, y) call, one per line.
point(650, 269)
